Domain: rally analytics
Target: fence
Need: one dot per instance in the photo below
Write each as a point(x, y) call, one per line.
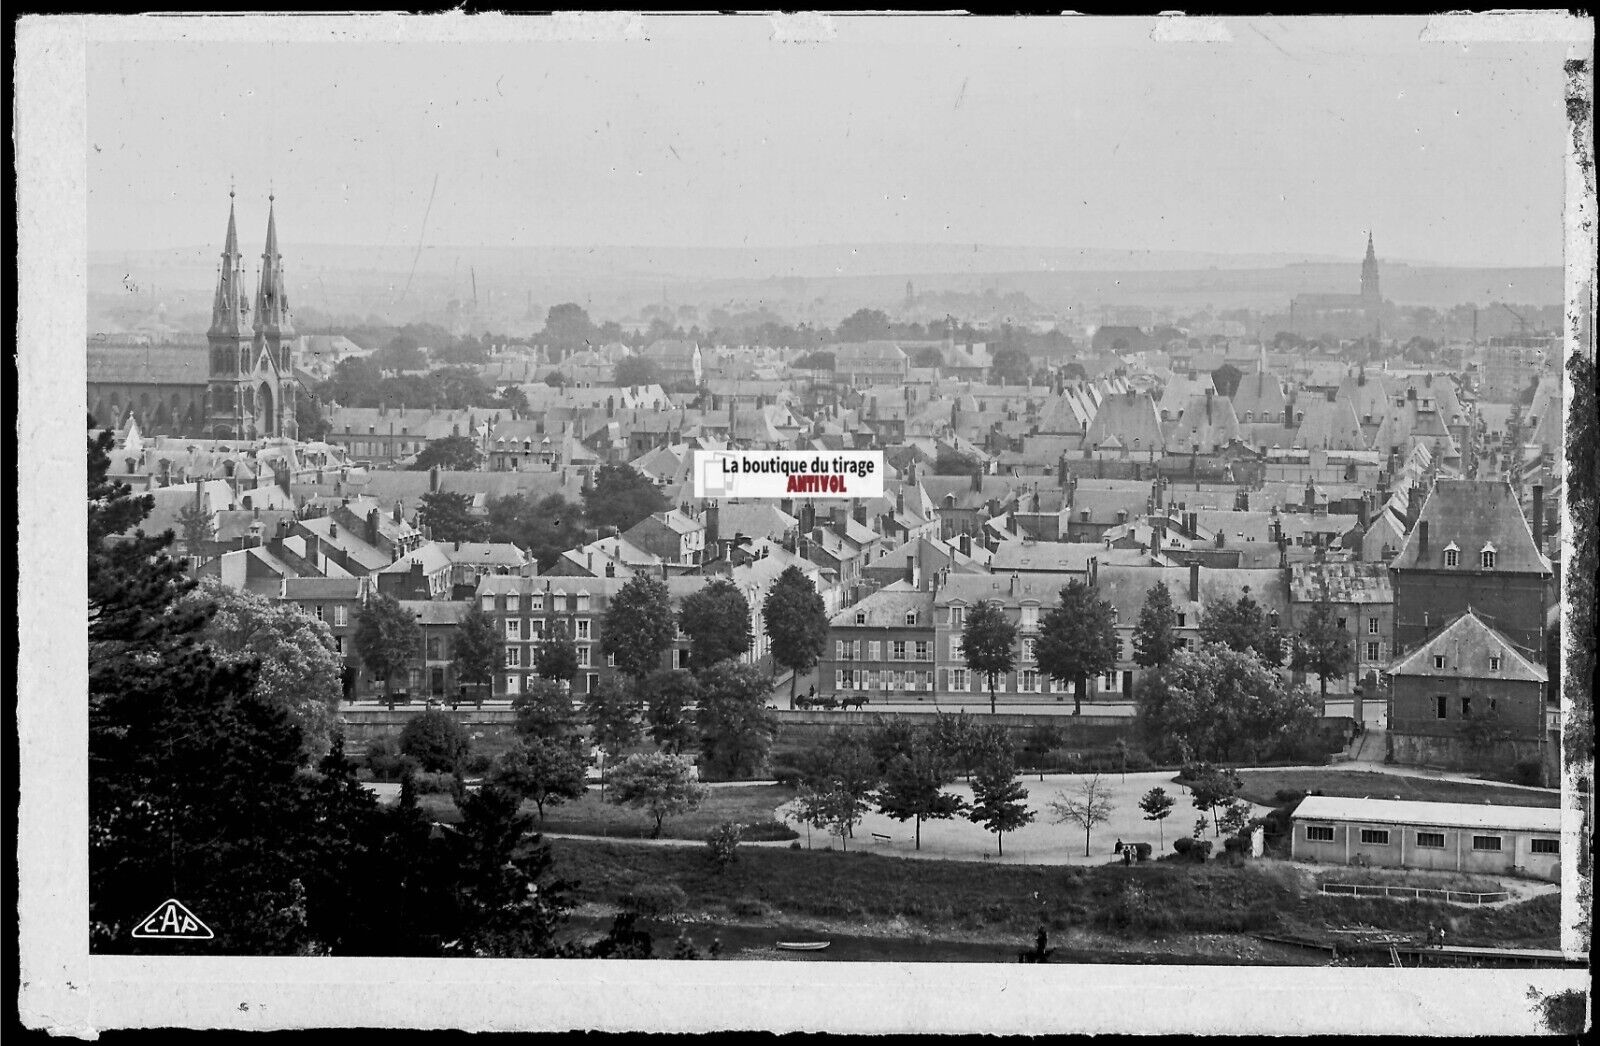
point(1413, 893)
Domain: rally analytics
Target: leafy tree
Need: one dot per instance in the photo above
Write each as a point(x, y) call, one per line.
point(1220, 703)
point(555, 379)
point(661, 785)
point(722, 842)
point(736, 726)
point(545, 710)
point(1157, 806)
point(547, 772)
point(1077, 639)
point(1234, 817)
point(387, 639)
point(297, 668)
point(913, 783)
point(1240, 624)
point(546, 527)
point(989, 643)
point(635, 370)
point(311, 424)
point(717, 621)
point(927, 356)
point(456, 453)
point(401, 353)
point(1480, 732)
point(613, 717)
point(864, 325)
point(621, 497)
point(1000, 803)
point(436, 741)
point(1153, 639)
point(195, 525)
point(1089, 807)
point(557, 656)
point(639, 626)
point(354, 383)
point(796, 621)
point(1212, 788)
point(1323, 647)
point(668, 693)
point(479, 653)
point(514, 400)
point(567, 329)
point(448, 517)
point(1010, 366)
point(948, 461)
point(841, 776)
point(819, 360)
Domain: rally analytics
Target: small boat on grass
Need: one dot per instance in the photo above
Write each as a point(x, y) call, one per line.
point(802, 946)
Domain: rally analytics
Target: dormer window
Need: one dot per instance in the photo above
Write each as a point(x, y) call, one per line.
point(861, 617)
point(1452, 555)
point(1486, 557)
point(911, 617)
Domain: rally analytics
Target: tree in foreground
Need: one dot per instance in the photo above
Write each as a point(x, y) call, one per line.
point(989, 643)
point(1213, 788)
point(453, 453)
point(736, 726)
point(479, 653)
point(1218, 703)
point(639, 626)
point(613, 717)
point(913, 787)
point(545, 710)
point(796, 621)
point(545, 771)
point(999, 802)
point(668, 694)
point(717, 621)
point(1242, 625)
point(1321, 646)
point(298, 668)
point(556, 658)
point(1157, 806)
point(448, 517)
point(1153, 634)
point(1077, 640)
point(387, 639)
point(722, 845)
point(1089, 807)
point(659, 784)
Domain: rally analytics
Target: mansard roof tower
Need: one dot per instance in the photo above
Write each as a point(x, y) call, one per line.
point(251, 382)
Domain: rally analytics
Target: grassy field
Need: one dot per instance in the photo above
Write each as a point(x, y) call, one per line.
point(751, 805)
point(856, 890)
point(1261, 785)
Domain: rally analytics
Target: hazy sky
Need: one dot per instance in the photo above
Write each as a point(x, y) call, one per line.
point(1295, 137)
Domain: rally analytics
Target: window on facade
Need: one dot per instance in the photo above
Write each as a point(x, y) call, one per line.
point(958, 616)
point(536, 601)
point(341, 616)
point(1430, 840)
point(1375, 836)
point(611, 660)
point(1466, 707)
point(317, 610)
point(1372, 626)
point(1494, 662)
point(338, 644)
point(583, 657)
point(874, 650)
point(1438, 661)
point(897, 650)
point(1452, 557)
point(583, 601)
point(958, 680)
point(1372, 651)
point(911, 617)
point(1342, 624)
point(861, 617)
point(513, 603)
point(1544, 846)
point(1486, 558)
point(1319, 833)
point(1440, 710)
point(583, 628)
point(1183, 620)
point(1028, 650)
point(513, 628)
point(1030, 618)
point(1489, 843)
point(513, 657)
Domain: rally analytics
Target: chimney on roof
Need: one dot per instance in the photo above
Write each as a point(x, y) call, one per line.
point(1194, 581)
point(1414, 498)
point(1208, 405)
point(433, 480)
point(1422, 543)
point(1538, 516)
point(372, 527)
point(859, 512)
point(977, 479)
point(1094, 571)
point(1190, 523)
point(965, 544)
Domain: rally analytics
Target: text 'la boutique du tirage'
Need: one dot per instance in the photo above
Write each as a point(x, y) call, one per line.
point(780, 474)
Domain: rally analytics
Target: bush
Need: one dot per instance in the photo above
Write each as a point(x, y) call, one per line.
point(655, 900)
point(382, 759)
point(1237, 844)
point(787, 774)
point(1528, 771)
point(1143, 851)
point(478, 763)
point(435, 740)
point(435, 784)
point(1183, 845)
point(723, 844)
point(795, 845)
point(768, 831)
point(1202, 850)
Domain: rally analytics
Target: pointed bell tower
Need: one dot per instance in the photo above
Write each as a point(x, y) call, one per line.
point(1370, 295)
point(229, 342)
point(272, 367)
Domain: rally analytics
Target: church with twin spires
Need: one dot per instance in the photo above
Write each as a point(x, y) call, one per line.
point(250, 386)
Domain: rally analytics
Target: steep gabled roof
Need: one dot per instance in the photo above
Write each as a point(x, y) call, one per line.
point(1473, 513)
point(1467, 644)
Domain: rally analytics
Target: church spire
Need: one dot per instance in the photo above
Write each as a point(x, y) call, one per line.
point(272, 303)
point(1369, 274)
point(226, 306)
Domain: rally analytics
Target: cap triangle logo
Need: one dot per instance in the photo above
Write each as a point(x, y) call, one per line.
point(175, 922)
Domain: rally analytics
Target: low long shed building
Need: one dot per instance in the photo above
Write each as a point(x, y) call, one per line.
point(1458, 837)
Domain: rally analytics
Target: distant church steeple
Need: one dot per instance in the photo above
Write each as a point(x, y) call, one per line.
point(229, 302)
point(251, 393)
point(1369, 275)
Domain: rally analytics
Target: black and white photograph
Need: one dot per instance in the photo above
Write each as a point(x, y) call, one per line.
point(849, 523)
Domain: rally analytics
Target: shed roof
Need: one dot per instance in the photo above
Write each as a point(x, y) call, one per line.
point(1441, 815)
